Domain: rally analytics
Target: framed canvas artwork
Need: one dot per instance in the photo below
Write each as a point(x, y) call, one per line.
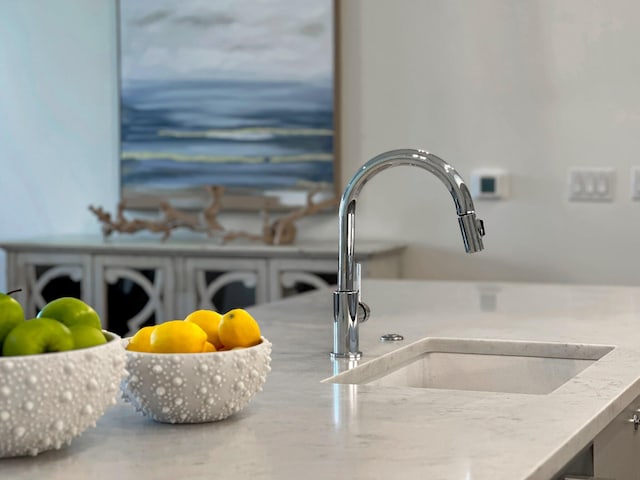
point(235, 93)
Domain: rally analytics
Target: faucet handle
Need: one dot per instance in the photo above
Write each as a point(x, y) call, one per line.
point(364, 312)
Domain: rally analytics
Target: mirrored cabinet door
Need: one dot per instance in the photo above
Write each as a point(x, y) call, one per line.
point(43, 277)
point(222, 284)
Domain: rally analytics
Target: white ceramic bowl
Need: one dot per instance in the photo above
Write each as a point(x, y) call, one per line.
point(195, 387)
point(46, 400)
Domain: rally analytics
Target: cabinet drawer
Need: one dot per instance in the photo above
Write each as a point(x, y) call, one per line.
point(616, 450)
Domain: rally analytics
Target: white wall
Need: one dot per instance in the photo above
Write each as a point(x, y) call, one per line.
point(58, 116)
point(533, 87)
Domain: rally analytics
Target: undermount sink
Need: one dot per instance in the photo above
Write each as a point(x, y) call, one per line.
point(471, 364)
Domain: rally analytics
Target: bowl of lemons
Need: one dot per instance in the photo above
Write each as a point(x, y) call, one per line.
point(203, 368)
point(59, 372)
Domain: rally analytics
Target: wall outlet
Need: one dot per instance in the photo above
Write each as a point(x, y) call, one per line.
point(592, 184)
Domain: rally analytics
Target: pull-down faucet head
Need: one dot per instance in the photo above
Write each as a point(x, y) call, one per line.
point(348, 309)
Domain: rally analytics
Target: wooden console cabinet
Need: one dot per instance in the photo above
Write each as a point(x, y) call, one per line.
point(133, 282)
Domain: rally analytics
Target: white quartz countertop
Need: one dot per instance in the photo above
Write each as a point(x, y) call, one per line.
point(299, 427)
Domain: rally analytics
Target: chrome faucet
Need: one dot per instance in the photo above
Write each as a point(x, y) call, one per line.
point(348, 309)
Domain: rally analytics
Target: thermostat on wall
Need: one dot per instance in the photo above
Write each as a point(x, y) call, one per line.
point(490, 184)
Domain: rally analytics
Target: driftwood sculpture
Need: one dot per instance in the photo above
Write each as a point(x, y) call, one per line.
point(281, 231)
point(122, 225)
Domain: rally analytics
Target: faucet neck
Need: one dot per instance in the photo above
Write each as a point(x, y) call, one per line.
point(347, 275)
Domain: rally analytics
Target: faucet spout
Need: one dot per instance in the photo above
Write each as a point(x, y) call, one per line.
point(347, 305)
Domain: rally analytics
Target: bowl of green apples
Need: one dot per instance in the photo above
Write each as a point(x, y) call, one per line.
point(59, 372)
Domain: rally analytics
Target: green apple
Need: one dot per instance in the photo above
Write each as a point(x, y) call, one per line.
point(11, 314)
point(71, 311)
point(38, 335)
point(85, 336)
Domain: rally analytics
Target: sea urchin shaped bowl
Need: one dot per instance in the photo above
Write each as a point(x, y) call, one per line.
point(195, 387)
point(46, 400)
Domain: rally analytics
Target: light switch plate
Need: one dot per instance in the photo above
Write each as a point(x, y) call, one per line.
point(591, 184)
point(635, 183)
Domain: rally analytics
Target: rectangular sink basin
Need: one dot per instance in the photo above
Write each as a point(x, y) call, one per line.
point(482, 365)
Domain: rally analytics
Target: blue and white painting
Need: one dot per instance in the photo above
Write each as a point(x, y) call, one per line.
point(236, 93)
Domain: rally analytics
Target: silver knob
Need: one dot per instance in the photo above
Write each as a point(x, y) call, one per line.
point(391, 337)
point(635, 419)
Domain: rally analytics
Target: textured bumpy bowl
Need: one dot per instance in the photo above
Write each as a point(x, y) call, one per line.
point(46, 400)
point(195, 387)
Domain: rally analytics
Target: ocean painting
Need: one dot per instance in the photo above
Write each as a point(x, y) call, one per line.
point(226, 92)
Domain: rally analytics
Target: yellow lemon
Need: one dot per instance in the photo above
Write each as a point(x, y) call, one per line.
point(238, 329)
point(140, 341)
point(209, 347)
point(208, 320)
point(177, 336)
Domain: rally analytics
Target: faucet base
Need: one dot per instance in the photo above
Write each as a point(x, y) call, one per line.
point(345, 324)
point(348, 355)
